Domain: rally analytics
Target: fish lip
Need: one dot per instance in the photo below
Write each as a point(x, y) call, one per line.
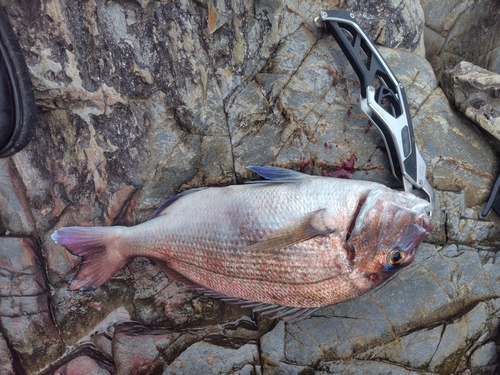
point(411, 254)
point(427, 225)
point(425, 222)
point(410, 257)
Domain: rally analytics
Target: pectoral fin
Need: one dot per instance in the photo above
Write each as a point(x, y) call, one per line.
point(313, 225)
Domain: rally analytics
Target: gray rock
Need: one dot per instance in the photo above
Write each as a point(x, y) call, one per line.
point(6, 361)
point(137, 351)
point(366, 367)
point(15, 213)
point(440, 349)
point(272, 346)
point(205, 358)
point(463, 224)
point(485, 358)
point(457, 30)
point(81, 365)
point(464, 163)
point(476, 93)
point(385, 325)
point(394, 24)
point(25, 315)
point(472, 328)
point(414, 350)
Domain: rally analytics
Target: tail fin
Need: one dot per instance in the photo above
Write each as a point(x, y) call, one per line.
point(99, 247)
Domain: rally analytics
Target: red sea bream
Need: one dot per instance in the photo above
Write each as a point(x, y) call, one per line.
point(288, 245)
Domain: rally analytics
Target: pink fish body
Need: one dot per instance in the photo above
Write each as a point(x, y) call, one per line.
point(293, 240)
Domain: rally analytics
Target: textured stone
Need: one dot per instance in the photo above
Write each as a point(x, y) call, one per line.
point(141, 351)
point(476, 93)
point(394, 24)
point(21, 273)
point(472, 329)
point(457, 30)
point(205, 358)
point(366, 367)
point(463, 224)
point(15, 213)
point(441, 348)
point(6, 360)
point(81, 365)
point(485, 358)
point(25, 315)
point(384, 325)
point(464, 162)
point(414, 350)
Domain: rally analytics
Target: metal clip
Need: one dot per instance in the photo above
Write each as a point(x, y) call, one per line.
point(383, 99)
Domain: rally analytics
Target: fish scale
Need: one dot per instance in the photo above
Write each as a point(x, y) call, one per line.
point(304, 295)
point(285, 246)
point(235, 260)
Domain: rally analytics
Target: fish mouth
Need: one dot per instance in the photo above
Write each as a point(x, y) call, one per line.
point(425, 222)
point(412, 235)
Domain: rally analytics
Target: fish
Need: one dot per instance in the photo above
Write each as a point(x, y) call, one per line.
point(286, 245)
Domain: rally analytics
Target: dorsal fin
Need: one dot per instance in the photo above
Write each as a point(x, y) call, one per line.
point(271, 174)
point(171, 200)
point(277, 174)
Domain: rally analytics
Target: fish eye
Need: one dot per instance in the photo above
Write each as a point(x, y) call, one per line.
point(396, 257)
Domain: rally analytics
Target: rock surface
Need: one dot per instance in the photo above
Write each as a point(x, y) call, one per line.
point(140, 100)
point(458, 30)
point(25, 314)
point(476, 93)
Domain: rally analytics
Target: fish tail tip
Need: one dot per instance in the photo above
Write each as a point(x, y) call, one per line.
point(81, 240)
point(55, 237)
point(102, 252)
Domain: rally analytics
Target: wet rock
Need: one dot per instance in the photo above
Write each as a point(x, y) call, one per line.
point(25, 315)
point(138, 349)
point(206, 358)
point(103, 341)
point(465, 162)
point(476, 93)
point(458, 30)
point(272, 346)
point(77, 314)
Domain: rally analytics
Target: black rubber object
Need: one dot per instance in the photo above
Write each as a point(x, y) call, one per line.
point(17, 100)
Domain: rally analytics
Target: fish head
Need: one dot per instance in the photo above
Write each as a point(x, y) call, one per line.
point(385, 234)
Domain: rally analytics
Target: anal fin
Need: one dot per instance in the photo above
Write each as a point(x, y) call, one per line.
point(177, 277)
point(285, 313)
